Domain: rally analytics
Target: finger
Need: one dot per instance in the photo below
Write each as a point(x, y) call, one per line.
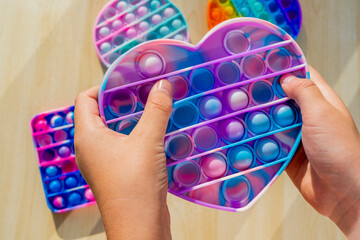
point(329, 94)
point(305, 93)
point(87, 110)
point(297, 166)
point(154, 120)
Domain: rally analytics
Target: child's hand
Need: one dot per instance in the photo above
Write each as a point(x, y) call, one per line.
point(127, 174)
point(326, 168)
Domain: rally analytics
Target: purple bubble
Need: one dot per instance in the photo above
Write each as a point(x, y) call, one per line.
point(180, 86)
point(44, 139)
point(236, 42)
point(48, 155)
point(150, 64)
point(143, 92)
point(60, 135)
point(228, 72)
point(122, 102)
point(253, 66)
point(179, 146)
point(278, 59)
point(64, 151)
point(232, 130)
point(205, 138)
point(236, 99)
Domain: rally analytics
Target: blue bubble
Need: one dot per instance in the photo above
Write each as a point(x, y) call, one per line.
point(71, 182)
point(72, 132)
point(185, 114)
point(210, 107)
point(284, 115)
point(261, 92)
point(258, 122)
point(52, 171)
point(55, 186)
point(56, 121)
point(279, 91)
point(228, 72)
point(74, 198)
point(202, 80)
point(155, 4)
point(240, 157)
point(267, 149)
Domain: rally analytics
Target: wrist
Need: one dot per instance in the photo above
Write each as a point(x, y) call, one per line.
point(135, 218)
point(346, 213)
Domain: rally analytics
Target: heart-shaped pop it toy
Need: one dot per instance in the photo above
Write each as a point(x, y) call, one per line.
point(232, 130)
point(283, 13)
point(123, 24)
point(53, 134)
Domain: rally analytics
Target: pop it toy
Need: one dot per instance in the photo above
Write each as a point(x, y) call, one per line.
point(283, 13)
point(232, 130)
point(123, 24)
point(53, 133)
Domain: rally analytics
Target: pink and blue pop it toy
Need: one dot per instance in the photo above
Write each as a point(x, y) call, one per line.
point(232, 130)
point(123, 24)
point(283, 13)
point(53, 134)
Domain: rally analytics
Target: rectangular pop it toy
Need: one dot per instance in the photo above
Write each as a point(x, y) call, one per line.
point(53, 134)
point(284, 13)
point(232, 130)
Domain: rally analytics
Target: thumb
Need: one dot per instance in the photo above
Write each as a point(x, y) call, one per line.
point(304, 91)
point(154, 120)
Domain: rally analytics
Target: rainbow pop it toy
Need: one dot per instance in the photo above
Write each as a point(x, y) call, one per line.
point(123, 24)
point(283, 13)
point(232, 130)
point(53, 134)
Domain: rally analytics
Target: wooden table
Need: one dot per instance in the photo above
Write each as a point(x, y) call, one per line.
point(47, 57)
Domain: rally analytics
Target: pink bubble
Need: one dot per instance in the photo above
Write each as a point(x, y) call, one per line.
point(88, 194)
point(59, 202)
point(214, 165)
point(41, 125)
point(156, 19)
point(131, 33)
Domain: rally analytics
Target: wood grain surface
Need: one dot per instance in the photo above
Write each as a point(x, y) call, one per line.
point(47, 57)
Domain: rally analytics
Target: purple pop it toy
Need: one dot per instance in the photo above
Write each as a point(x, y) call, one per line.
point(232, 131)
point(53, 133)
point(123, 24)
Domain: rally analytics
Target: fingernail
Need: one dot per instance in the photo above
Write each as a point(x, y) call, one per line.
point(165, 86)
point(286, 79)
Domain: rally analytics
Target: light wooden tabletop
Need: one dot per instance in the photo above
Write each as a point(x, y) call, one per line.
point(47, 57)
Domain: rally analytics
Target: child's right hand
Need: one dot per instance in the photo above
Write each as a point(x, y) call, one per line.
point(326, 168)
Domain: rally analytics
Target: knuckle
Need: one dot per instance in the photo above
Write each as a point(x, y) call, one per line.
point(78, 98)
point(161, 102)
point(306, 84)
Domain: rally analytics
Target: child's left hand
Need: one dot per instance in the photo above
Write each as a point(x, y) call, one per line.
point(127, 172)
